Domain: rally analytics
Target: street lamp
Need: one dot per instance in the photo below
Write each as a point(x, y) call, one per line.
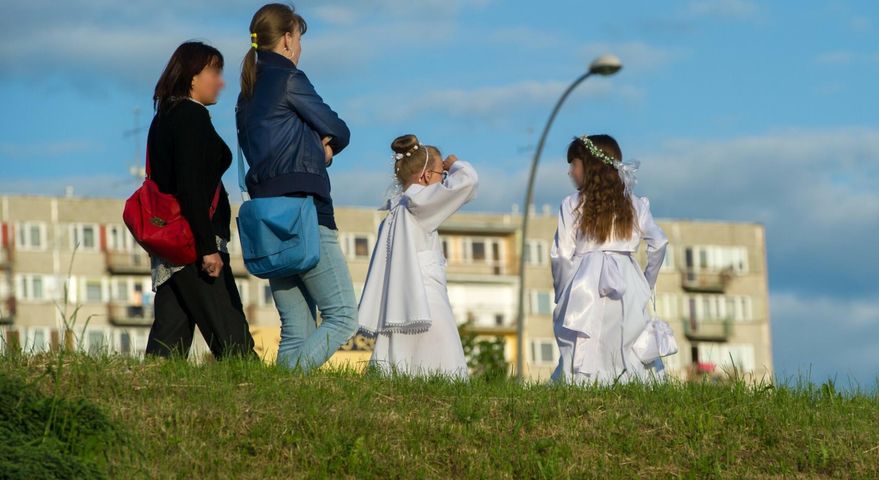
point(603, 65)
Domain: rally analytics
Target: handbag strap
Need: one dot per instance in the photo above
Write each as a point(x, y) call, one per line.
point(242, 184)
point(147, 170)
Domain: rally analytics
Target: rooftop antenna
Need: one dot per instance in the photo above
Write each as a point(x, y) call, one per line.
point(136, 168)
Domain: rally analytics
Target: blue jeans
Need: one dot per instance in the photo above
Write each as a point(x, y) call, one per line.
point(328, 287)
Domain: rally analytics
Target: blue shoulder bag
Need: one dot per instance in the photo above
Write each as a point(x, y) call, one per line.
point(279, 235)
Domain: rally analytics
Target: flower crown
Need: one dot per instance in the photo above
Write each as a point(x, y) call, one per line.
point(626, 170)
point(399, 156)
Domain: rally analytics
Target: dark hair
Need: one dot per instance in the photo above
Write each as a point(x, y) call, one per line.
point(409, 165)
point(269, 23)
point(186, 62)
point(605, 212)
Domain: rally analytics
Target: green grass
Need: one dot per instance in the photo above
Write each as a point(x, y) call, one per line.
point(237, 419)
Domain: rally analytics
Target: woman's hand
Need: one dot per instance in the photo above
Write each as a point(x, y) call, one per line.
point(447, 163)
point(212, 264)
point(328, 151)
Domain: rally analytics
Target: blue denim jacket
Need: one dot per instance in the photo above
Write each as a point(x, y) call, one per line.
point(280, 130)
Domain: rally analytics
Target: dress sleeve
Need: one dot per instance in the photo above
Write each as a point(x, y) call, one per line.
point(190, 139)
point(656, 242)
point(433, 204)
point(562, 253)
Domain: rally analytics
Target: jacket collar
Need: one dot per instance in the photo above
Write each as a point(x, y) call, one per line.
point(274, 60)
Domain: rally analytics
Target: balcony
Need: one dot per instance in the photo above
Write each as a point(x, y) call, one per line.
point(124, 315)
point(126, 263)
point(7, 311)
point(706, 282)
point(718, 331)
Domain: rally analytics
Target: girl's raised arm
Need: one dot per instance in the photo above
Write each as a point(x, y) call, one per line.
point(433, 204)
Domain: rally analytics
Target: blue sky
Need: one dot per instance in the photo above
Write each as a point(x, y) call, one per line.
point(737, 110)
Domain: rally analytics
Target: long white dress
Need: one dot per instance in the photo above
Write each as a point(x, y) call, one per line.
point(405, 302)
point(602, 297)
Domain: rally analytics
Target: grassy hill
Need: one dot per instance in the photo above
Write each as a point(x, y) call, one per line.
point(86, 417)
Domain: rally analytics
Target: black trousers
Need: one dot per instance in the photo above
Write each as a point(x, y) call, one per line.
point(191, 297)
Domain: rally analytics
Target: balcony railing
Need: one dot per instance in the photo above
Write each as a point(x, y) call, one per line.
point(708, 282)
point(130, 315)
point(136, 262)
point(718, 330)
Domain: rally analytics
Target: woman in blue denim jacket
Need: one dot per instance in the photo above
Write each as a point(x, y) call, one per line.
point(289, 137)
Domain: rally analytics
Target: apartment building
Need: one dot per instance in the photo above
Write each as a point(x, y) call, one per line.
point(712, 287)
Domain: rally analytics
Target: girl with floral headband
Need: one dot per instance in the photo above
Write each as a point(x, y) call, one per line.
point(601, 321)
point(405, 303)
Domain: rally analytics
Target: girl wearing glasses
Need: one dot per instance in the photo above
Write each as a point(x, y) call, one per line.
point(405, 303)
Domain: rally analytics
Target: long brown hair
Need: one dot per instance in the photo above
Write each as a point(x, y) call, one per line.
point(186, 62)
point(270, 23)
point(605, 212)
point(407, 166)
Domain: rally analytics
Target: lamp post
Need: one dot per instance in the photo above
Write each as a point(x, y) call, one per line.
point(603, 65)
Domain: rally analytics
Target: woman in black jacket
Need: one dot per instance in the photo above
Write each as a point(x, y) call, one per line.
point(188, 159)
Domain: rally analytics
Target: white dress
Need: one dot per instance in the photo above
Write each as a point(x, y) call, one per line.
point(601, 299)
point(405, 302)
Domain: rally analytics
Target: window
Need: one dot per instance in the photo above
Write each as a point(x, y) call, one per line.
point(445, 244)
point(267, 298)
point(719, 307)
point(93, 291)
point(95, 342)
point(33, 287)
point(356, 246)
point(544, 351)
point(243, 291)
point(31, 235)
point(727, 356)
point(124, 346)
point(36, 340)
point(119, 239)
point(483, 250)
point(499, 319)
point(361, 247)
point(478, 251)
point(128, 341)
point(666, 306)
point(541, 303)
point(716, 258)
point(668, 263)
point(535, 252)
point(120, 291)
point(83, 236)
point(234, 244)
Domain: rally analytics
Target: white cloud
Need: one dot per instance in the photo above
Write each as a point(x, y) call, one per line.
point(21, 150)
point(491, 102)
point(636, 56)
point(722, 8)
point(846, 57)
point(826, 337)
point(93, 43)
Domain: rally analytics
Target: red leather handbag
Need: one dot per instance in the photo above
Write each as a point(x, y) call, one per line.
point(156, 223)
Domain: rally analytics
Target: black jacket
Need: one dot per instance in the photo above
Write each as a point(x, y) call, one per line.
point(188, 159)
point(280, 130)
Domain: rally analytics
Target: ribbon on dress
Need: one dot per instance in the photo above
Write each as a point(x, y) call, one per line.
point(598, 275)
